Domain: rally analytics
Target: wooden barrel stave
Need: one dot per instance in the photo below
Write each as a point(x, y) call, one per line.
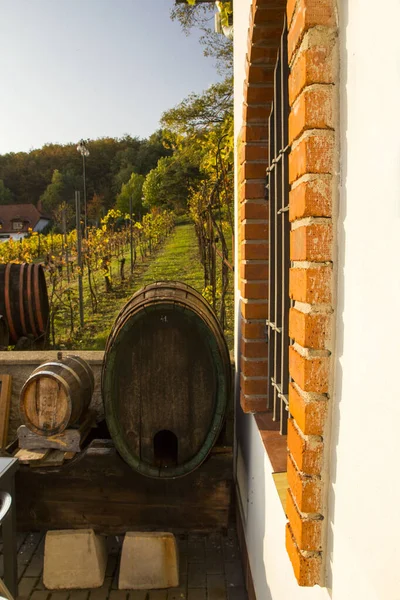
point(56, 395)
point(190, 316)
point(23, 299)
point(4, 332)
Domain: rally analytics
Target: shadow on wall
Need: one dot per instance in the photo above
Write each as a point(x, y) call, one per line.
point(339, 300)
point(251, 485)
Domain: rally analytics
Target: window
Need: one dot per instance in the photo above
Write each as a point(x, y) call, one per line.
point(17, 225)
point(279, 261)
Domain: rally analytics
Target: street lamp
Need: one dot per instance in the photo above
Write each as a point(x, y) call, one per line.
point(81, 147)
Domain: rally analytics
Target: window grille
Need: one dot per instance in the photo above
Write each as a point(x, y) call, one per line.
point(278, 254)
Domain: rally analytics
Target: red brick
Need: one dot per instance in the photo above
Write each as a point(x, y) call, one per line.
point(253, 404)
point(312, 110)
point(310, 374)
point(314, 64)
point(255, 152)
point(254, 270)
point(254, 113)
point(254, 291)
point(310, 330)
point(254, 251)
point(290, 7)
point(309, 13)
point(251, 349)
point(312, 285)
point(254, 170)
point(255, 231)
point(306, 452)
point(253, 387)
point(254, 309)
point(254, 329)
point(312, 242)
point(259, 94)
point(310, 415)
point(306, 568)
point(253, 368)
point(311, 198)
point(314, 153)
point(306, 532)
point(305, 490)
point(255, 133)
point(252, 190)
point(254, 210)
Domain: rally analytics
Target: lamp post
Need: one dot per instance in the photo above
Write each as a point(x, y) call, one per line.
point(82, 149)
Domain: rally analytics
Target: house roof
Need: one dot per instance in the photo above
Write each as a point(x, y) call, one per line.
point(27, 213)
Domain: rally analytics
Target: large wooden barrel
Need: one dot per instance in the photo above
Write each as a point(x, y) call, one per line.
point(4, 332)
point(23, 299)
point(56, 394)
point(166, 380)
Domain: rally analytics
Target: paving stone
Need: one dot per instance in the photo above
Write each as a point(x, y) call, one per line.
point(148, 561)
point(230, 548)
point(40, 595)
point(102, 592)
point(216, 587)
point(196, 549)
point(177, 594)
point(74, 559)
point(137, 595)
point(111, 565)
point(35, 567)
point(234, 574)
point(27, 550)
point(79, 595)
point(59, 595)
point(237, 593)
point(158, 595)
point(26, 586)
point(197, 594)
point(196, 575)
point(118, 595)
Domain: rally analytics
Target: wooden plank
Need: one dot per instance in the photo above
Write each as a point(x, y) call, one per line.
point(5, 398)
point(28, 456)
point(70, 440)
point(69, 455)
point(54, 458)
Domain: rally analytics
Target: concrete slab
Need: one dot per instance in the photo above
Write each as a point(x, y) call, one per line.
point(148, 561)
point(74, 559)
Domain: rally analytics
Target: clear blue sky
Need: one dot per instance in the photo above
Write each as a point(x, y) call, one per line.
point(72, 69)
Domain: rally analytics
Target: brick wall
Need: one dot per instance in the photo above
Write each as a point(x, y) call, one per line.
point(312, 34)
point(265, 29)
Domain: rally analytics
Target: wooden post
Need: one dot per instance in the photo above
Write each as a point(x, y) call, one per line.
point(79, 251)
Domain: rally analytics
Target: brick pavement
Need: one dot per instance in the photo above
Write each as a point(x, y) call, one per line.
point(209, 565)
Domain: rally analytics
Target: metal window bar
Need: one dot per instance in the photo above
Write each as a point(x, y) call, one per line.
point(278, 253)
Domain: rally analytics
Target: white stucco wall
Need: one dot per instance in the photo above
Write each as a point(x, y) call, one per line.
point(365, 493)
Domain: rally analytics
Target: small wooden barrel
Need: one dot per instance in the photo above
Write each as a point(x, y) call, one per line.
point(23, 299)
point(4, 332)
point(56, 394)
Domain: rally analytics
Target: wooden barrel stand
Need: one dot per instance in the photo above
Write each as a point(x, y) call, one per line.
point(99, 489)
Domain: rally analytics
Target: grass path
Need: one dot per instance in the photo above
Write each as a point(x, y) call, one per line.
point(176, 259)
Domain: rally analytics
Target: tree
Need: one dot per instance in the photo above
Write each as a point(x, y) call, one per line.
point(201, 16)
point(168, 185)
point(6, 196)
point(198, 112)
point(53, 196)
point(133, 189)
